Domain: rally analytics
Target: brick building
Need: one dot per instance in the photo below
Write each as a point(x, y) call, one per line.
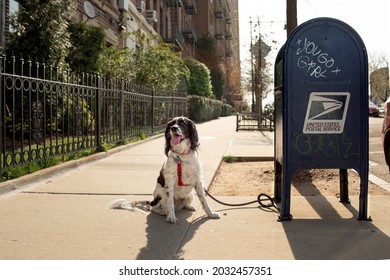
point(180, 22)
point(219, 20)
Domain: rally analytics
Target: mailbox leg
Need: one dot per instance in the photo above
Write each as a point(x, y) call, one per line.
point(278, 181)
point(284, 214)
point(363, 197)
point(344, 197)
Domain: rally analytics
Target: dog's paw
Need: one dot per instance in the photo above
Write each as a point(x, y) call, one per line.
point(159, 211)
point(214, 215)
point(172, 219)
point(190, 207)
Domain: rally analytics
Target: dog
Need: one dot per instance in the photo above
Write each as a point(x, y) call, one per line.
point(180, 175)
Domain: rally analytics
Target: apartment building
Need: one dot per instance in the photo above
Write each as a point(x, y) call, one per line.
point(218, 19)
point(171, 19)
point(180, 22)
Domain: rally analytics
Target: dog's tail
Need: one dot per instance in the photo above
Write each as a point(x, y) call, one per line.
point(135, 206)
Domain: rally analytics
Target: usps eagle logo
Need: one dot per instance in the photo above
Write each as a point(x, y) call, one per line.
point(326, 113)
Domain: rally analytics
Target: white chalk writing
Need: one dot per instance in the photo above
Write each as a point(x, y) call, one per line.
point(318, 63)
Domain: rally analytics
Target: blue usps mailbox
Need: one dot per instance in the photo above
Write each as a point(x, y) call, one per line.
point(321, 107)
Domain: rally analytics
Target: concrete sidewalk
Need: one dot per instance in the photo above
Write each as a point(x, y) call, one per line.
point(66, 216)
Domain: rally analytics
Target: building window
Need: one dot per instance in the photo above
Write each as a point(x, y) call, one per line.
point(13, 10)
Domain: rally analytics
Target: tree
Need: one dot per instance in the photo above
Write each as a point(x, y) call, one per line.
point(160, 67)
point(379, 77)
point(39, 34)
point(200, 80)
point(117, 63)
point(155, 66)
point(208, 55)
point(87, 46)
point(217, 83)
point(379, 85)
point(41, 30)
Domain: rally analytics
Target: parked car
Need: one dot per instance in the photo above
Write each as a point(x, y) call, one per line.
point(373, 110)
point(386, 132)
point(381, 109)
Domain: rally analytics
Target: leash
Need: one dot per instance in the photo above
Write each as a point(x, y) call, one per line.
point(258, 200)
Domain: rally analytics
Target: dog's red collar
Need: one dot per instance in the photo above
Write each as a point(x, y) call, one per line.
point(177, 159)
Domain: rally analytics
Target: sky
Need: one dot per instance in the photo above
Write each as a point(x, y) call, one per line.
point(371, 20)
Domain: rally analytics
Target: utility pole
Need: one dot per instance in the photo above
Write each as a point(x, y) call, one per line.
point(291, 15)
point(252, 74)
point(259, 78)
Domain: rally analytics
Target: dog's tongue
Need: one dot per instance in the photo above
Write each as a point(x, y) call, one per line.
point(176, 140)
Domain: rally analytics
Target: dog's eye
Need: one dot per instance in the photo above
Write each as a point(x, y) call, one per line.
point(181, 122)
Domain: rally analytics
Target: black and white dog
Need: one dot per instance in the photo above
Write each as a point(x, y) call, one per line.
point(179, 176)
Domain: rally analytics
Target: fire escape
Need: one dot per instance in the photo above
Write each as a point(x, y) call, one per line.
point(181, 29)
point(223, 32)
point(189, 26)
point(174, 31)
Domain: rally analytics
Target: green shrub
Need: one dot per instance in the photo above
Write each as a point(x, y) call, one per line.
point(227, 110)
point(202, 109)
point(199, 82)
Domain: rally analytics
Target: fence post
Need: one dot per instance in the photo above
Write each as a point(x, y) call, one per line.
point(237, 122)
point(152, 111)
point(98, 111)
point(2, 157)
point(121, 111)
point(173, 106)
point(186, 105)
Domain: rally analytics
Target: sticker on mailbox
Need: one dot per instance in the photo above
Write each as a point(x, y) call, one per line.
point(326, 113)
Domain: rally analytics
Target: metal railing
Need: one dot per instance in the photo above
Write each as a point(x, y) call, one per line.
point(46, 112)
point(252, 121)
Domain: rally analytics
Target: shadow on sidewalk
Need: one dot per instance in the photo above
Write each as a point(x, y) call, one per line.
point(334, 237)
point(164, 240)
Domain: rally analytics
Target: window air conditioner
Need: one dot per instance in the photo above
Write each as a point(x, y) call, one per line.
point(141, 6)
point(123, 5)
point(151, 15)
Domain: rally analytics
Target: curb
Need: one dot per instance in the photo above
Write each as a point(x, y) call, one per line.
point(255, 158)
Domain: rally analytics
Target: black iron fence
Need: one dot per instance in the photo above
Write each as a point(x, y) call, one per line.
point(47, 112)
point(252, 121)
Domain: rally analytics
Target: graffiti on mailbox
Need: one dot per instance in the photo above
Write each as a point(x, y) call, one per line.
point(317, 63)
point(326, 145)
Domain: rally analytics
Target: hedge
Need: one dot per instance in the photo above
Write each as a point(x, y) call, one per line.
point(202, 109)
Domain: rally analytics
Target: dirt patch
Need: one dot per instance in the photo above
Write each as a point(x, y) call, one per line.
point(253, 178)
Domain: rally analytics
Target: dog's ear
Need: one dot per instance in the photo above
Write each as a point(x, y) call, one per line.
point(168, 138)
point(193, 135)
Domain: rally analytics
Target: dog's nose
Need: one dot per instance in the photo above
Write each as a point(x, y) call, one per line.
point(175, 128)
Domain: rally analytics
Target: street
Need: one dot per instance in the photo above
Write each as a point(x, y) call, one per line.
point(378, 165)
